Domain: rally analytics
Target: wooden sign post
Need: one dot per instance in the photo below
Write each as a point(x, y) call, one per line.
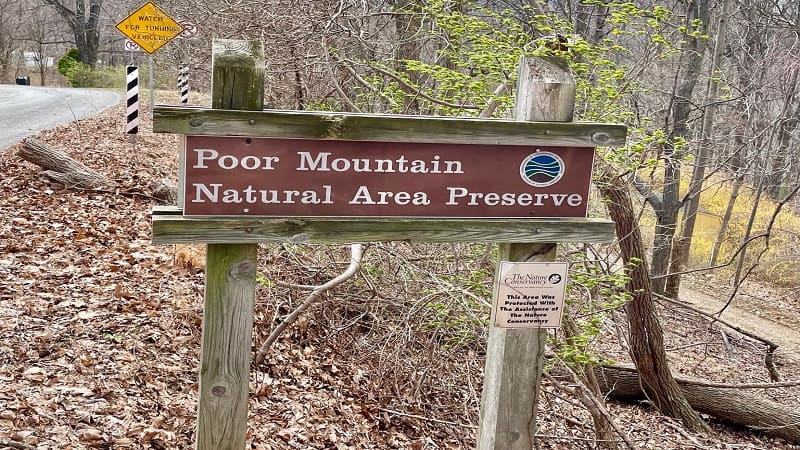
point(237, 83)
point(250, 176)
point(515, 357)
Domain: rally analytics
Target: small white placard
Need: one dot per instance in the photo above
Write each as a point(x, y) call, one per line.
point(530, 294)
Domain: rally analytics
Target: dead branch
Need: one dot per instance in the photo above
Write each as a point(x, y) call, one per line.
point(411, 89)
point(591, 402)
point(18, 445)
point(356, 252)
point(426, 419)
point(769, 357)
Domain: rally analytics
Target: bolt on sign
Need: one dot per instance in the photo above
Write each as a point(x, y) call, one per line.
point(150, 27)
point(530, 294)
point(244, 176)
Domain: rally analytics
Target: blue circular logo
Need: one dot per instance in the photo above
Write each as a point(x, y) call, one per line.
point(542, 169)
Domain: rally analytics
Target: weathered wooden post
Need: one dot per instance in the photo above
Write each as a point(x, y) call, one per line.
point(238, 83)
point(514, 358)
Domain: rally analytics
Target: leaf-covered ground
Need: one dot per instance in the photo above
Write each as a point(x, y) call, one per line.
point(100, 331)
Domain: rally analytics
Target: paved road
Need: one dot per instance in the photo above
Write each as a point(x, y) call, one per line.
point(25, 110)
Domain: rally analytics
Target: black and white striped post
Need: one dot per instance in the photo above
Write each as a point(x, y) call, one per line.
point(183, 83)
point(132, 101)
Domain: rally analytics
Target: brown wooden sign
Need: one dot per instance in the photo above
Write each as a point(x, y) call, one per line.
point(241, 176)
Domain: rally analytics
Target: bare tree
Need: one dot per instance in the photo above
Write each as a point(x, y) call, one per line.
point(83, 20)
point(40, 39)
point(691, 201)
point(672, 154)
point(11, 14)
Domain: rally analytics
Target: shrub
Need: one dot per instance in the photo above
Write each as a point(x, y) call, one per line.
point(81, 75)
point(107, 77)
point(67, 63)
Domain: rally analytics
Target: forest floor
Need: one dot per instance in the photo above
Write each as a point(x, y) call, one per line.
point(100, 331)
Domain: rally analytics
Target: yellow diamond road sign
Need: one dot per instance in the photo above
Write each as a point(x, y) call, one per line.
point(150, 27)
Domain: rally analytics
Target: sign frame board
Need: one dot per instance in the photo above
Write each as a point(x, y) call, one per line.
point(171, 225)
point(150, 27)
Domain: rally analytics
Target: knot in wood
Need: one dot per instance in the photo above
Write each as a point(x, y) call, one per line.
point(334, 126)
point(243, 270)
point(600, 138)
point(218, 391)
point(293, 226)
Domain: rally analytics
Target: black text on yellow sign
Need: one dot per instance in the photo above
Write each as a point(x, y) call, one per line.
point(150, 27)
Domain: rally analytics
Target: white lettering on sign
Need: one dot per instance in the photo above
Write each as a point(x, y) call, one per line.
point(458, 196)
point(321, 178)
point(364, 197)
point(214, 193)
point(322, 162)
point(230, 162)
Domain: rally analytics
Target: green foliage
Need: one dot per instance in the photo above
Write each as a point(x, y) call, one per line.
point(106, 77)
point(81, 75)
point(457, 312)
point(264, 281)
point(592, 295)
point(327, 104)
point(68, 62)
point(481, 54)
point(480, 49)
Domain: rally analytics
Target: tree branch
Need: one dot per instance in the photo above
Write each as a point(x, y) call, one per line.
point(411, 89)
point(652, 197)
point(356, 252)
point(63, 11)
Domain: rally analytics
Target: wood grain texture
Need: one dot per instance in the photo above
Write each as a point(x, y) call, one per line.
point(170, 227)
point(374, 127)
point(230, 280)
point(237, 76)
point(515, 357)
point(227, 342)
point(513, 371)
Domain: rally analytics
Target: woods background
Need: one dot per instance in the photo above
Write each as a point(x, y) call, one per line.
point(705, 187)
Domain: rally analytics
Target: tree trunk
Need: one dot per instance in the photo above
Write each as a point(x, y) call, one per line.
point(681, 253)
point(779, 164)
point(60, 167)
point(667, 217)
point(737, 166)
point(726, 218)
point(736, 406)
point(646, 336)
point(762, 178)
point(409, 47)
point(84, 26)
point(87, 36)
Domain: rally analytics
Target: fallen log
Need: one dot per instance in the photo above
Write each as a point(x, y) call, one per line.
point(729, 404)
point(60, 167)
